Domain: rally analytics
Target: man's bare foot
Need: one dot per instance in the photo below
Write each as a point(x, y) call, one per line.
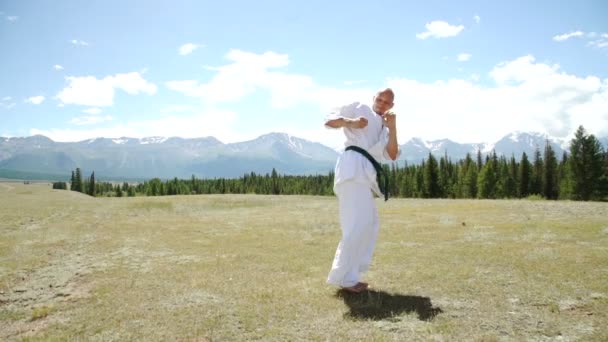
point(358, 288)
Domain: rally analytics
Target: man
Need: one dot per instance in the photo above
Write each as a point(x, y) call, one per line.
point(373, 130)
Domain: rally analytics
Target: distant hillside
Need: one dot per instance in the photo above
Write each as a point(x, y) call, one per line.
point(515, 144)
point(38, 157)
point(166, 157)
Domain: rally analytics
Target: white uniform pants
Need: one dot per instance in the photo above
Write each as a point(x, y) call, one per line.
point(359, 223)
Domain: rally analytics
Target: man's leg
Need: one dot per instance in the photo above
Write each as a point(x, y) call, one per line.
point(357, 222)
point(371, 242)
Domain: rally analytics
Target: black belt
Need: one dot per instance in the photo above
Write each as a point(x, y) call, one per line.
point(377, 166)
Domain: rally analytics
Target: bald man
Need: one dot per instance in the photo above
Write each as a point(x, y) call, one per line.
point(370, 133)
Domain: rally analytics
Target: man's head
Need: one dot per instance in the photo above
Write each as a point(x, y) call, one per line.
point(383, 101)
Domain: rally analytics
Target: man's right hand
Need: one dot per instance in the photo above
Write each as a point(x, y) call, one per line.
point(360, 122)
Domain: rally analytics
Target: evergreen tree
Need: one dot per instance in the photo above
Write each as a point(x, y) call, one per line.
point(406, 185)
point(549, 179)
point(486, 182)
point(507, 187)
point(536, 181)
point(470, 182)
point(462, 187)
point(393, 180)
point(502, 175)
point(60, 185)
point(514, 174)
point(604, 178)
point(525, 174)
point(73, 182)
point(586, 162)
point(564, 178)
point(431, 178)
point(419, 176)
point(91, 187)
point(78, 181)
point(275, 182)
point(444, 177)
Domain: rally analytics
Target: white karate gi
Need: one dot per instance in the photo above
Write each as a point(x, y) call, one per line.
point(354, 184)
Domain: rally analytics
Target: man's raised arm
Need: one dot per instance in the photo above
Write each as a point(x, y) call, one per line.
point(340, 122)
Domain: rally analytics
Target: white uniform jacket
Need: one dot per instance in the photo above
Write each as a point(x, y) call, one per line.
point(351, 165)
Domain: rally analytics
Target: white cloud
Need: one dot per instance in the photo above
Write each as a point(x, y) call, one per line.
point(79, 42)
point(92, 111)
point(477, 19)
point(35, 99)
point(12, 18)
point(247, 72)
point(463, 57)
point(566, 36)
point(191, 125)
point(440, 29)
point(601, 42)
point(132, 83)
point(188, 48)
point(527, 96)
point(7, 103)
point(57, 67)
point(594, 39)
point(87, 91)
point(90, 91)
point(90, 120)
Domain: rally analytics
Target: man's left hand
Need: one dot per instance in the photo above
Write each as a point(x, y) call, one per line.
point(390, 120)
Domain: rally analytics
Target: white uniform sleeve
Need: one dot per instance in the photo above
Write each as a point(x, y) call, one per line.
point(348, 111)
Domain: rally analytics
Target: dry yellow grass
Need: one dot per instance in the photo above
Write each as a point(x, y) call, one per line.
point(247, 267)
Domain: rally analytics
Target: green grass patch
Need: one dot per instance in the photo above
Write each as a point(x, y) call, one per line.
point(152, 205)
point(40, 312)
point(11, 315)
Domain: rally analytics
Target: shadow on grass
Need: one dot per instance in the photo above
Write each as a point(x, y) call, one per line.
point(378, 305)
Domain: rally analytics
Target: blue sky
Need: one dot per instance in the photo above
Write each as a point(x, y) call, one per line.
point(470, 71)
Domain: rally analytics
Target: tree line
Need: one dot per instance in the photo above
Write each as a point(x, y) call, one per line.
point(581, 174)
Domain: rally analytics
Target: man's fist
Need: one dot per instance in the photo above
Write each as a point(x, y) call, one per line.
point(390, 119)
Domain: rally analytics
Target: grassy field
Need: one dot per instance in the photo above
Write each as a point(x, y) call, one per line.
point(247, 267)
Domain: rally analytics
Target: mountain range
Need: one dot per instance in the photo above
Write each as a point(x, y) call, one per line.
point(38, 157)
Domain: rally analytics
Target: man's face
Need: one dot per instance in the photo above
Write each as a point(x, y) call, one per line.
point(382, 103)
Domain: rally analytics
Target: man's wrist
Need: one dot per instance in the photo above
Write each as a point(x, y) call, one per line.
point(346, 122)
